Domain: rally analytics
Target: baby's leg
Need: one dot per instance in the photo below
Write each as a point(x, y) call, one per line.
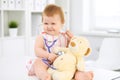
point(40, 70)
point(84, 75)
point(29, 66)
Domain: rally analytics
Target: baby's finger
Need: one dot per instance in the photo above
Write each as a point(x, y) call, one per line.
point(69, 34)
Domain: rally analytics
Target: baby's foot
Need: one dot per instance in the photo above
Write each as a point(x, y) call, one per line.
point(90, 75)
point(84, 75)
point(31, 72)
point(30, 67)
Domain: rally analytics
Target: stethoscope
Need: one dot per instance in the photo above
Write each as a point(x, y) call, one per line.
point(46, 61)
point(49, 46)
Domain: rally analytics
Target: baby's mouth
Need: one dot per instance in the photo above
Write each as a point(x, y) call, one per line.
point(50, 30)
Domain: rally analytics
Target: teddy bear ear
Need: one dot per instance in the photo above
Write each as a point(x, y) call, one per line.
point(88, 51)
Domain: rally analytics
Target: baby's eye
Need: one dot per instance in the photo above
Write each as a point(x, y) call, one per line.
point(53, 23)
point(45, 23)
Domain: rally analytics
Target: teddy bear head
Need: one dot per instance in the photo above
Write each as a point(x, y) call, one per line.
point(79, 45)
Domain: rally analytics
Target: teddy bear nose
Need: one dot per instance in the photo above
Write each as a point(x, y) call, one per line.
point(72, 44)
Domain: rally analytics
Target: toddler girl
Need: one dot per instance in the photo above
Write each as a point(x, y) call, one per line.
point(53, 21)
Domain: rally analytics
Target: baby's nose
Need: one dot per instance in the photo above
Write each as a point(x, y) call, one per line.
point(49, 26)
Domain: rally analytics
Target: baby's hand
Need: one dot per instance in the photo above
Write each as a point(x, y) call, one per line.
point(52, 57)
point(69, 34)
point(56, 50)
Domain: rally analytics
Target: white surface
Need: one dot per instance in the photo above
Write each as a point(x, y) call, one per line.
point(13, 68)
point(103, 74)
point(109, 55)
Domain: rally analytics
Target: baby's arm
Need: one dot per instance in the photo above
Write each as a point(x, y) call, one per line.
point(80, 64)
point(40, 50)
point(69, 35)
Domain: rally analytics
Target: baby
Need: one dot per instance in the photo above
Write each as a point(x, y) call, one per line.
point(53, 21)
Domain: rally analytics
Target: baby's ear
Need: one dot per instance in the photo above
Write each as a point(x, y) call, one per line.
point(88, 51)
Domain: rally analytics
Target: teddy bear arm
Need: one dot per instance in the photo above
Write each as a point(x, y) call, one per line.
point(63, 75)
point(81, 65)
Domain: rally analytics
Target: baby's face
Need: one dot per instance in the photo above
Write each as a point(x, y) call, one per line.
point(52, 24)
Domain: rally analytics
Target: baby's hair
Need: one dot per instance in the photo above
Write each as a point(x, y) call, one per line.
point(52, 9)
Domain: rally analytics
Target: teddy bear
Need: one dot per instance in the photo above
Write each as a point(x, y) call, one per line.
point(71, 60)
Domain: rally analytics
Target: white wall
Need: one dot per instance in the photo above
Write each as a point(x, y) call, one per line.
point(77, 23)
point(76, 16)
point(95, 44)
